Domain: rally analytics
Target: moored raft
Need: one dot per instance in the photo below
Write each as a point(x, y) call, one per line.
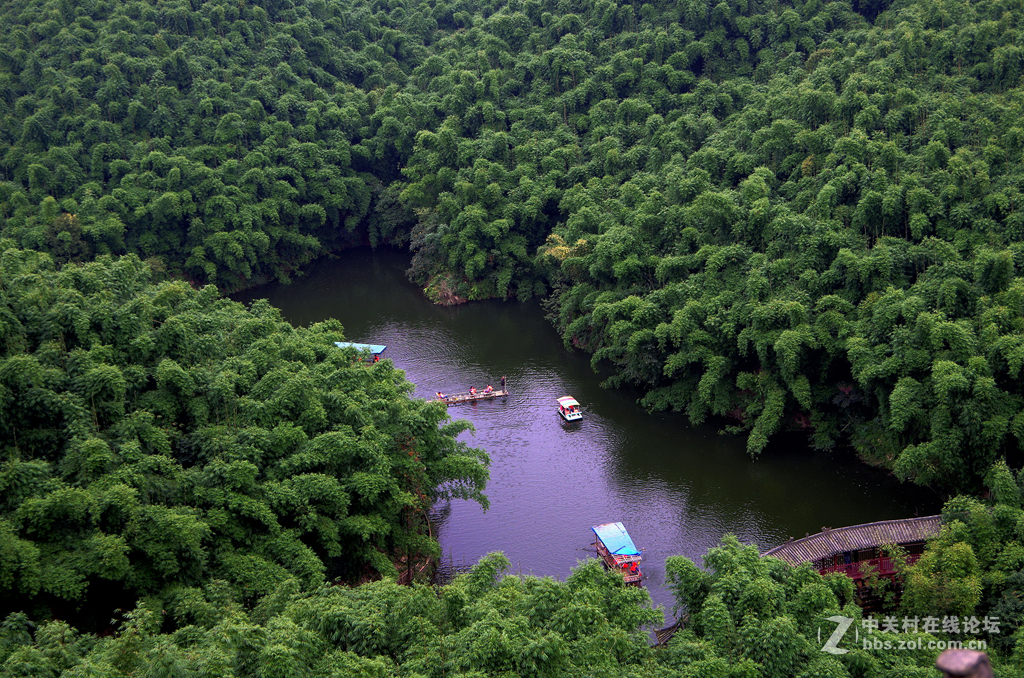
point(376, 351)
point(619, 553)
point(459, 398)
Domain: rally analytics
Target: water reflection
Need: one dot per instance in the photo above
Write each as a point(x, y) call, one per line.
point(677, 489)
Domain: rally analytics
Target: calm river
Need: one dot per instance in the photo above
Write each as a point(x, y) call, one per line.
point(677, 489)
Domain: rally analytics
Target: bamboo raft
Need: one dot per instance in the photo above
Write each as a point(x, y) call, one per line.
point(618, 552)
point(617, 563)
point(459, 398)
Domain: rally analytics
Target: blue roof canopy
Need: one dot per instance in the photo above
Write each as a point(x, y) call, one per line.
point(372, 348)
point(616, 539)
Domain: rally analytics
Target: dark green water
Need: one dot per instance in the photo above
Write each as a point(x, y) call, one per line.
point(677, 489)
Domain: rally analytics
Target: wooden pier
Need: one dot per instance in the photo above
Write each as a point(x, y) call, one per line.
point(664, 635)
point(459, 398)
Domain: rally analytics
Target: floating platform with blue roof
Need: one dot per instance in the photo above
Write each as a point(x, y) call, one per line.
point(376, 350)
point(617, 550)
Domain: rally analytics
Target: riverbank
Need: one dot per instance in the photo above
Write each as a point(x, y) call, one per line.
point(677, 488)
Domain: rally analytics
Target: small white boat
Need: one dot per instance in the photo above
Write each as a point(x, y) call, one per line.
point(569, 408)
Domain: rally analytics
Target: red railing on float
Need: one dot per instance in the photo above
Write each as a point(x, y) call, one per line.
point(884, 566)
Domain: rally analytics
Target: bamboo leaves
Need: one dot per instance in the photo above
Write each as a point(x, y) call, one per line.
point(729, 161)
point(204, 441)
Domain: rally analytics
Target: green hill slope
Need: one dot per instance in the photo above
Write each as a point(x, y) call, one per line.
point(792, 215)
point(154, 438)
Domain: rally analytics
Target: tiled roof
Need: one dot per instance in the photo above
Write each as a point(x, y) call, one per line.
point(830, 542)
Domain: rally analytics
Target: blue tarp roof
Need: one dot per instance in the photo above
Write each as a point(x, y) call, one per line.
point(372, 348)
point(616, 539)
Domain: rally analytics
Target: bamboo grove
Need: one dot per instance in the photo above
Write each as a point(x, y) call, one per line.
point(777, 215)
point(749, 617)
point(784, 215)
point(158, 440)
point(483, 624)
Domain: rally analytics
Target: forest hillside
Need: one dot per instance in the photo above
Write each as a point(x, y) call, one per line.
point(799, 215)
point(158, 440)
point(781, 215)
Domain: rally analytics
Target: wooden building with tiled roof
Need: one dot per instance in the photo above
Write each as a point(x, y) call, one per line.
point(845, 549)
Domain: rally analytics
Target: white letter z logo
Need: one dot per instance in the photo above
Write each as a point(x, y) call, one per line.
point(832, 644)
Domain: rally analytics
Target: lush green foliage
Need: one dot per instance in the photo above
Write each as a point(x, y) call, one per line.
point(228, 141)
point(802, 215)
point(753, 616)
point(155, 437)
point(748, 618)
point(828, 243)
point(976, 565)
point(478, 626)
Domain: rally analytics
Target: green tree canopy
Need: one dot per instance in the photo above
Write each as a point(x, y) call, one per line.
point(157, 437)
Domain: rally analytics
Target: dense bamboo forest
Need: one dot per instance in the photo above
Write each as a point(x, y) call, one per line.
point(781, 216)
point(749, 617)
point(482, 624)
point(798, 215)
point(157, 438)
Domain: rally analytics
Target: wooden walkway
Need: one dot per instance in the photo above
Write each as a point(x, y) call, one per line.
point(459, 398)
point(830, 542)
point(664, 635)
